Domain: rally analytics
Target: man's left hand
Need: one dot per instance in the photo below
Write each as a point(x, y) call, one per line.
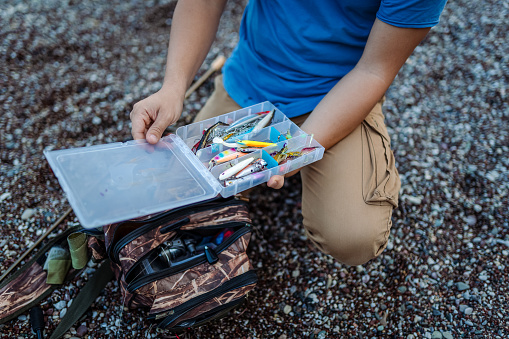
point(277, 181)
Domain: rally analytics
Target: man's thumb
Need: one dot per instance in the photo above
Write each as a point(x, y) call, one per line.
point(156, 130)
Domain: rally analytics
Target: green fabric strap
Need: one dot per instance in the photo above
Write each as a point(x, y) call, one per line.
point(85, 298)
point(57, 265)
point(57, 271)
point(79, 250)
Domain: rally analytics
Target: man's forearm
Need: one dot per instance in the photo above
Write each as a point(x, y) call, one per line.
point(345, 107)
point(353, 97)
point(193, 30)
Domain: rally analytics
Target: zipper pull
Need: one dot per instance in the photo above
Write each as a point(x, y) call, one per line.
point(211, 255)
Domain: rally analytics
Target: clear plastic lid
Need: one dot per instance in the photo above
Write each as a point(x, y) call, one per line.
point(121, 181)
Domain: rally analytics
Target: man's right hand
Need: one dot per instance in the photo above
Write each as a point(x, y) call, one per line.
point(152, 115)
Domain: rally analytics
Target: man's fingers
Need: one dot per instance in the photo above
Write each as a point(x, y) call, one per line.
point(138, 129)
point(138, 126)
point(157, 129)
point(276, 181)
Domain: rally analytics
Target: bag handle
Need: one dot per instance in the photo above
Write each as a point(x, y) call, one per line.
point(85, 298)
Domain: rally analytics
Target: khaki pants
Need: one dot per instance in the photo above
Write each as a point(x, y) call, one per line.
point(348, 196)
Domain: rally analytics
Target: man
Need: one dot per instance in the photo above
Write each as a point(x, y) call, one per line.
point(325, 64)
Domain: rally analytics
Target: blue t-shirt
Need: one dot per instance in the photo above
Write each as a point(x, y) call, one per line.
point(292, 52)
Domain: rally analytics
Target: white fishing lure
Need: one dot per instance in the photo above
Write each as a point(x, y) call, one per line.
point(264, 122)
point(255, 166)
point(235, 168)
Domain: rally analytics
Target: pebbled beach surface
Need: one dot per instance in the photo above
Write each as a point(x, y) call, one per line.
point(70, 73)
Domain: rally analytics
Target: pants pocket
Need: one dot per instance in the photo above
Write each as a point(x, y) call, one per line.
point(381, 182)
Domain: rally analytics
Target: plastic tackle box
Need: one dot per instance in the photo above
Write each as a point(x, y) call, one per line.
point(120, 181)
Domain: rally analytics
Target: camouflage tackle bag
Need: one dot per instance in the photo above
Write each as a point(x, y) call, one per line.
point(186, 266)
point(189, 265)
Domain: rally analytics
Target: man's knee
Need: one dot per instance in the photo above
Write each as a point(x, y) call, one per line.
point(353, 244)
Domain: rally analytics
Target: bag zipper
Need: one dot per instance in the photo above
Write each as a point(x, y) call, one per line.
point(242, 280)
point(234, 224)
point(157, 218)
point(157, 221)
point(195, 261)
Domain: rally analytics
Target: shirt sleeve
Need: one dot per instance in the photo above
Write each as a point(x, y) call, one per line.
point(411, 13)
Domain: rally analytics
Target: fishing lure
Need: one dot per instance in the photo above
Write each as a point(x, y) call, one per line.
point(242, 143)
point(246, 120)
point(255, 166)
point(280, 155)
point(307, 150)
point(248, 124)
point(230, 172)
point(208, 136)
point(265, 121)
point(254, 176)
point(225, 156)
point(294, 155)
point(218, 140)
point(246, 149)
point(252, 143)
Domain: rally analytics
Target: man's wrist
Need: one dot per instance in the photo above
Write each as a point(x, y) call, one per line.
point(172, 93)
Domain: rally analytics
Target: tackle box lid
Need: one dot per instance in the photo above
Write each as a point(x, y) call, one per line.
point(124, 180)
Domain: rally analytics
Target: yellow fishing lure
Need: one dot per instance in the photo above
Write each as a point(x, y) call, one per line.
point(251, 143)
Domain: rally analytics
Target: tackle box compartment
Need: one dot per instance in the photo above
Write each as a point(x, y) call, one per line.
point(125, 180)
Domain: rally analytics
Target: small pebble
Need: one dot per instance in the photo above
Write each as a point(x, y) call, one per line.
point(60, 305)
point(462, 286)
point(5, 196)
point(414, 200)
point(313, 297)
point(27, 214)
point(81, 330)
point(471, 220)
point(322, 335)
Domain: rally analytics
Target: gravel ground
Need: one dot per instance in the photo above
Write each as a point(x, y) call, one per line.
point(71, 71)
